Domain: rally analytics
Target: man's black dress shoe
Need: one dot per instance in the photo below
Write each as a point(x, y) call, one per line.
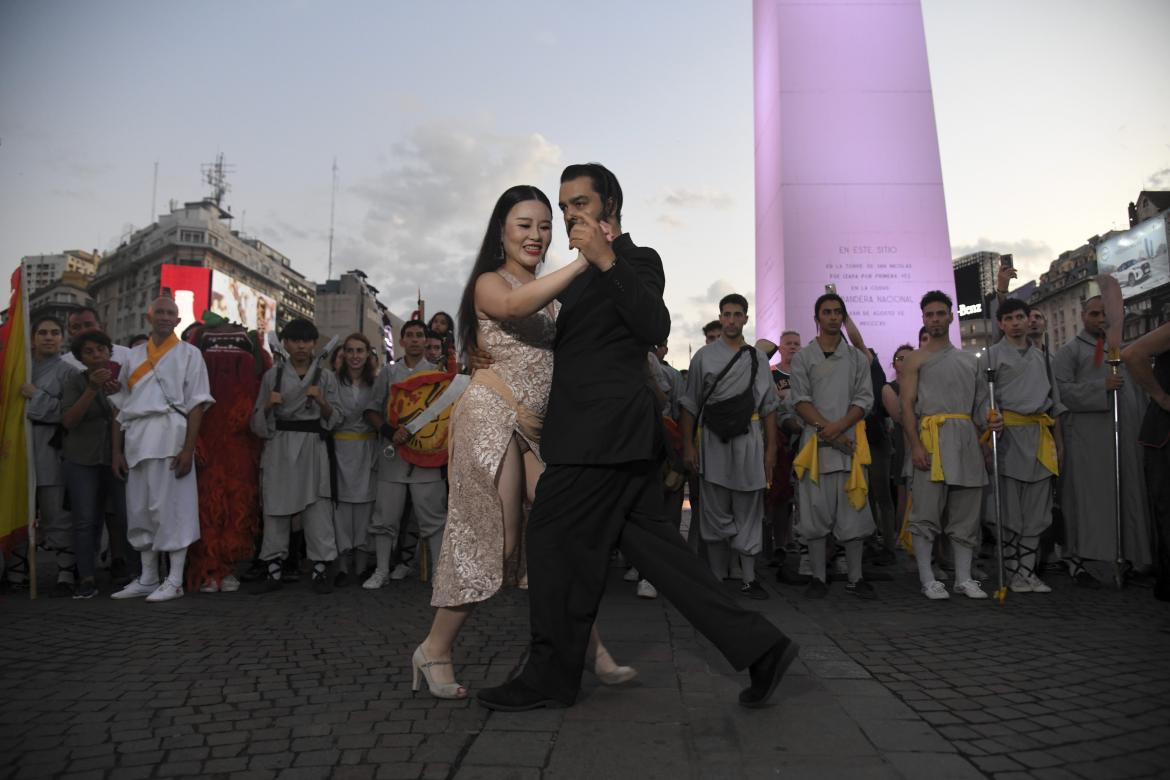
point(766, 672)
point(515, 696)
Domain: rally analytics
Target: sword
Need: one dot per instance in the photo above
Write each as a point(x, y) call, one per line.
point(1000, 594)
point(1114, 321)
point(449, 395)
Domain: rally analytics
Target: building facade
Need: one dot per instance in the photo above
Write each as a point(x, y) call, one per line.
point(196, 234)
point(61, 298)
point(350, 304)
point(45, 270)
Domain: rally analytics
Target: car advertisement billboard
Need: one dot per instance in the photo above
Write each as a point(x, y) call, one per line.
point(1137, 258)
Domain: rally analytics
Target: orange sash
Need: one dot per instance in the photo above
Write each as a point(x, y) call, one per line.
point(153, 355)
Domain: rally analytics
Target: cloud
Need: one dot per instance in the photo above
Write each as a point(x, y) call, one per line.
point(683, 197)
point(1159, 180)
point(715, 291)
point(425, 212)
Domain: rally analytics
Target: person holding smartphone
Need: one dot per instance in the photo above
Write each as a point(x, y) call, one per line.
point(88, 449)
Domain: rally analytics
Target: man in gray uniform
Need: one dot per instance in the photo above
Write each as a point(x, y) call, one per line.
point(942, 398)
point(831, 391)
point(296, 408)
point(43, 409)
point(1029, 448)
point(734, 465)
point(1085, 382)
point(396, 477)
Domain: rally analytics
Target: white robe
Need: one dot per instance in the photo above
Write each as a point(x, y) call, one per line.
point(165, 516)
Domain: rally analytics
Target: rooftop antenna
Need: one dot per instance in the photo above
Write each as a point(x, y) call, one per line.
point(153, 193)
point(215, 175)
point(332, 211)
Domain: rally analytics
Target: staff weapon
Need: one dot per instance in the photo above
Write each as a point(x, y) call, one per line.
point(1000, 594)
point(1114, 322)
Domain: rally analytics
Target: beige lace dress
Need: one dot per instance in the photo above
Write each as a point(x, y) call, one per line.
point(505, 401)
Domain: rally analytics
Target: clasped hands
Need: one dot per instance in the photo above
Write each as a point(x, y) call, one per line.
point(592, 238)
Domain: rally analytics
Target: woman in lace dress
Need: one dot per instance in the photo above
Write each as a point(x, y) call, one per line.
point(495, 447)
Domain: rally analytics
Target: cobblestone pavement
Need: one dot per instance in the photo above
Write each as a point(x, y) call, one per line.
point(295, 685)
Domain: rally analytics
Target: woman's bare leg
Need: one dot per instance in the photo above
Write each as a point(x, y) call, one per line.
point(448, 622)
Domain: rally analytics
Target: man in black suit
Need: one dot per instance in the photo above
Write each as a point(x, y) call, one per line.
point(602, 487)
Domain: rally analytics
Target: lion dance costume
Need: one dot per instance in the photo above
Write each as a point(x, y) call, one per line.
point(227, 453)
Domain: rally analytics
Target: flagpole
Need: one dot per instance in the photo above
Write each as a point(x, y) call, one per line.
point(30, 458)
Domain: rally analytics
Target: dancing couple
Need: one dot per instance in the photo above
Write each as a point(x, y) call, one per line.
point(565, 416)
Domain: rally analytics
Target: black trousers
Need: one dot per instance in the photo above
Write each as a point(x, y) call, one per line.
point(1157, 467)
point(580, 514)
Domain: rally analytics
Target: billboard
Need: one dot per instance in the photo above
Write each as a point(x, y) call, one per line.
point(1137, 258)
point(968, 295)
point(238, 302)
point(190, 286)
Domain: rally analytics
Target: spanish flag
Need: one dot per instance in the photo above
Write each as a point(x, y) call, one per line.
point(14, 465)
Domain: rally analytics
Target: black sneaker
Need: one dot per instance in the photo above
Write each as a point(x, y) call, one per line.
point(341, 580)
point(322, 582)
point(754, 590)
point(861, 589)
point(1082, 579)
point(817, 589)
point(884, 557)
point(62, 590)
point(86, 590)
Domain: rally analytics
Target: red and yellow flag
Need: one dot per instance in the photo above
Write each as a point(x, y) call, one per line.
point(14, 491)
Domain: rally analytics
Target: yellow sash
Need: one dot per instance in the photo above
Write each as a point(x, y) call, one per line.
point(1046, 447)
point(354, 436)
point(153, 355)
point(928, 434)
point(807, 461)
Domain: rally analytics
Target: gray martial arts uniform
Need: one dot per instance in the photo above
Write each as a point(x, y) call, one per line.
point(397, 478)
point(831, 383)
point(732, 479)
point(1022, 386)
point(949, 382)
point(44, 410)
point(294, 469)
point(1087, 484)
point(356, 444)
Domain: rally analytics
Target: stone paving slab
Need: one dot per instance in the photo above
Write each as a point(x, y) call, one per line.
point(294, 685)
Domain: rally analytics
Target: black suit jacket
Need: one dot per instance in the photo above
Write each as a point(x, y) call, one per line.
point(600, 408)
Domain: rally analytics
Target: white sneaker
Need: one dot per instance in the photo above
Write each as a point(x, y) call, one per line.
point(229, 584)
point(167, 591)
point(971, 589)
point(646, 590)
point(631, 575)
point(1020, 583)
point(1038, 585)
point(211, 586)
point(935, 590)
point(134, 590)
point(376, 580)
point(401, 572)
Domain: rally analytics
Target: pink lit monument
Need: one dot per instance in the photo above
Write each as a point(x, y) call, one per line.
point(848, 182)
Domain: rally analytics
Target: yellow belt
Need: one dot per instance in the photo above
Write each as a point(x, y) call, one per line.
point(354, 436)
point(928, 433)
point(806, 461)
point(1046, 447)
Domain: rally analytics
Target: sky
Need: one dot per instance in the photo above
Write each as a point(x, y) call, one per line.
point(1051, 118)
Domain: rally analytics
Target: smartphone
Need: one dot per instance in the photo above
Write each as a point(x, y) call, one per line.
point(113, 367)
point(1007, 261)
point(831, 288)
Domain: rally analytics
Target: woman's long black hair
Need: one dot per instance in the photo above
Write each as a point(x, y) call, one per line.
point(490, 257)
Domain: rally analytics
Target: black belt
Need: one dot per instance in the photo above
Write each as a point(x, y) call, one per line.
point(314, 426)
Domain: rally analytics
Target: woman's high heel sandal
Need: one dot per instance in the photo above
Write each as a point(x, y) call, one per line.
point(613, 674)
point(422, 668)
